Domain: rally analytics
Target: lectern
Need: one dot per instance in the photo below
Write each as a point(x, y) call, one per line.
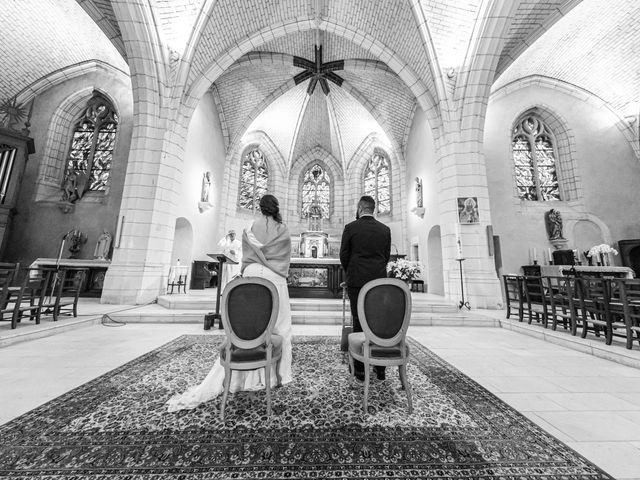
point(221, 259)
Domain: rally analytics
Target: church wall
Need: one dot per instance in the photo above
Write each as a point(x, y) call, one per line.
point(606, 172)
point(204, 152)
point(420, 158)
point(38, 227)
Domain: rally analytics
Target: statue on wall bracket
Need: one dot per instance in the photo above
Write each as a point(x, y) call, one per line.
point(553, 223)
point(419, 208)
point(205, 193)
point(73, 187)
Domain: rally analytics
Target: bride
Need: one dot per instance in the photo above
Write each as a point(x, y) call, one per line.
point(266, 253)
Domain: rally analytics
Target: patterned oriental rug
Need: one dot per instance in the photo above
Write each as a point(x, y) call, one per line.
point(117, 427)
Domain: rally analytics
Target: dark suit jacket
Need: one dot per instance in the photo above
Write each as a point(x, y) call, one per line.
point(365, 250)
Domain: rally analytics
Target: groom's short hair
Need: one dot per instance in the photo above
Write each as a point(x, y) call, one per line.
point(367, 204)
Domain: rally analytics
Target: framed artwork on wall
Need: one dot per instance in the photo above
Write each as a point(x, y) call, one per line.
point(468, 210)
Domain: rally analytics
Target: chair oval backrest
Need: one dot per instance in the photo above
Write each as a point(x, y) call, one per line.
point(250, 309)
point(384, 309)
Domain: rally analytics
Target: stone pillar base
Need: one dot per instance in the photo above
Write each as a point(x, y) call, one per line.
point(480, 290)
point(133, 284)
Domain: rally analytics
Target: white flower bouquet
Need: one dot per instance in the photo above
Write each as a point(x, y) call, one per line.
point(601, 250)
point(405, 269)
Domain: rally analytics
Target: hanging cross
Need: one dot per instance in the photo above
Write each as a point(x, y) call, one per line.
point(318, 71)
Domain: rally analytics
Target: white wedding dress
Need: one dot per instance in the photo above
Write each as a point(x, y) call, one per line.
point(212, 385)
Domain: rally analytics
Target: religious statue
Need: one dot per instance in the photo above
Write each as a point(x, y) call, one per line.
point(102, 246)
point(76, 239)
point(206, 187)
point(553, 222)
point(418, 192)
point(74, 185)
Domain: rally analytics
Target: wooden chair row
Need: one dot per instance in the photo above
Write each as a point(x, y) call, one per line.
point(605, 306)
point(42, 291)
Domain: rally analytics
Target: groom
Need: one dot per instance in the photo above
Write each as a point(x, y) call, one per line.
point(364, 254)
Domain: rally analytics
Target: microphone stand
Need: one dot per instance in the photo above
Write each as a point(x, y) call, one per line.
point(57, 269)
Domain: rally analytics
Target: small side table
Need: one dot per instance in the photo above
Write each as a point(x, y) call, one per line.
point(417, 286)
point(177, 278)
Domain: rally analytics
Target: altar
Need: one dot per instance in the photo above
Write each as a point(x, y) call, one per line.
point(96, 271)
point(315, 278)
point(586, 270)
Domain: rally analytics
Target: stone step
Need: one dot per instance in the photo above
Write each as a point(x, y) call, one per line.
point(159, 314)
point(199, 302)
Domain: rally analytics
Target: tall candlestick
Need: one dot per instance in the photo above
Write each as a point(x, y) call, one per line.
point(459, 241)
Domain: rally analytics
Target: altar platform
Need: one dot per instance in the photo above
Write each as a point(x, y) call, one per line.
point(428, 309)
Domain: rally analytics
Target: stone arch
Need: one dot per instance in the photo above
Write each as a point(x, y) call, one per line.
point(275, 166)
point(65, 74)
point(333, 166)
point(182, 242)
point(578, 93)
point(195, 87)
point(357, 165)
point(586, 233)
point(566, 168)
point(281, 59)
point(59, 136)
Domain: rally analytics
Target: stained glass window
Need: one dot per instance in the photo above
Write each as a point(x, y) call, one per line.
point(254, 177)
point(316, 190)
point(534, 157)
point(94, 136)
point(377, 182)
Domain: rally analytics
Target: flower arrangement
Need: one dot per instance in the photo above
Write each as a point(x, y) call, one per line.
point(601, 250)
point(601, 254)
point(404, 269)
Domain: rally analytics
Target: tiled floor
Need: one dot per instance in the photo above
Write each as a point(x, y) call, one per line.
point(592, 404)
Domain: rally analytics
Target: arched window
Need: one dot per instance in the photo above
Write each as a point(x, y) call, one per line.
point(254, 177)
point(316, 190)
point(377, 182)
point(534, 156)
point(94, 137)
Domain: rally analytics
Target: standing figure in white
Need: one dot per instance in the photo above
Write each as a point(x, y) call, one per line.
point(232, 248)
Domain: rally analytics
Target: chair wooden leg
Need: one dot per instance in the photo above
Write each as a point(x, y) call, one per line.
point(14, 319)
point(608, 334)
point(367, 373)
point(585, 327)
point(352, 366)
point(267, 379)
point(278, 376)
point(508, 310)
point(407, 387)
point(227, 385)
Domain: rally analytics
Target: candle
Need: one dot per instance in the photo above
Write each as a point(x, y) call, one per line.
point(535, 255)
point(550, 256)
point(459, 241)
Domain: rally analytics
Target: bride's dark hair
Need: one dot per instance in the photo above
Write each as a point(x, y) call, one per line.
point(270, 207)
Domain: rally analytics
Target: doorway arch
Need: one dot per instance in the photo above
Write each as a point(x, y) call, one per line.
point(182, 242)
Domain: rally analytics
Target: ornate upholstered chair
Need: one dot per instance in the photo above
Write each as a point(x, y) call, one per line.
point(249, 313)
point(384, 309)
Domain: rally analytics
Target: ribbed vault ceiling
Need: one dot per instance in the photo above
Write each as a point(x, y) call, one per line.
point(591, 44)
point(594, 47)
point(39, 38)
